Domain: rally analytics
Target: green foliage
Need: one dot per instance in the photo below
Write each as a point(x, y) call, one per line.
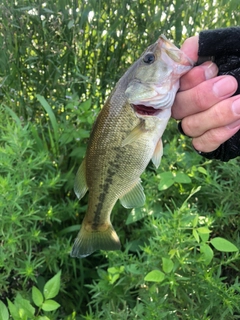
point(171, 274)
point(52, 287)
point(223, 245)
point(180, 257)
point(22, 309)
point(4, 315)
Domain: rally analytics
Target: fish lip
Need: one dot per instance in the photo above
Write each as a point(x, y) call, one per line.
point(180, 57)
point(143, 110)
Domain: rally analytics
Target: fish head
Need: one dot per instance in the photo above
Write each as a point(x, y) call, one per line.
point(153, 80)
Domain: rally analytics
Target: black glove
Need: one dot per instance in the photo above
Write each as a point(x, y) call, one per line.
point(223, 47)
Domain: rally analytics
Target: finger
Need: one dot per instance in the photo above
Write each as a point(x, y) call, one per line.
point(222, 114)
point(198, 74)
point(212, 139)
point(203, 96)
point(190, 47)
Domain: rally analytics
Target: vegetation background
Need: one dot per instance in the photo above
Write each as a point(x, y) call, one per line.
point(58, 62)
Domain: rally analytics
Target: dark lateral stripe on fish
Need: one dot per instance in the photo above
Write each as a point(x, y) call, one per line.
point(101, 198)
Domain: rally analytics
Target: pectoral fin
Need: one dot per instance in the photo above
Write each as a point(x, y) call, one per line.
point(157, 155)
point(80, 184)
point(135, 134)
point(135, 197)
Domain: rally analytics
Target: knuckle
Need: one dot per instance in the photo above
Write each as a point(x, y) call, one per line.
point(200, 99)
point(214, 138)
point(217, 116)
point(189, 126)
point(207, 142)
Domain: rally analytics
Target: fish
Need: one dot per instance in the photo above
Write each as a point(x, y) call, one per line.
point(125, 137)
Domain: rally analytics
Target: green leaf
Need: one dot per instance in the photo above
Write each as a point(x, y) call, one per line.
point(114, 273)
point(13, 310)
point(181, 177)
point(4, 314)
point(86, 105)
point(195, 221)
point(202, 170)
point(113, 270)
point(113, 278)
point(82, 133)
point(50, 113)
point(203, 230)
point(37, 296)
point(13, 115)
point(167, 265)
point(204, 236)
point(167, 180)
point(21, 309)
point(134, 269)
point(102, 274)
point(50, 305)
point(223, 245)
point(207, 253)
point(52, 287)
point(196, 236)
point(25, 306)
point(155, 276)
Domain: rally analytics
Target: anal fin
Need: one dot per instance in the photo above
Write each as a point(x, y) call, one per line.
point(135, 197)
point(80, 184)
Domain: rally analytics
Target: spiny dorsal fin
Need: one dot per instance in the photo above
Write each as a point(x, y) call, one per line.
point(135, 197)
point(135, 134)
point(80, 184)
point(89, 241)
point(157, 155)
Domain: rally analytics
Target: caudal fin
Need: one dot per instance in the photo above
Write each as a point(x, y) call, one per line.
point(89, 241)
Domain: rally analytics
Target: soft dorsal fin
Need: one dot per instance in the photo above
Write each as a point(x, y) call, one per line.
point(135, 197)
point(135, 134)
point(80, 184)
point(157, 155)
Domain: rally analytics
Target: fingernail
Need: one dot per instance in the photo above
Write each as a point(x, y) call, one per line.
point(236, 107)
point(234, 125)
point(211, 70)
point(226, 86)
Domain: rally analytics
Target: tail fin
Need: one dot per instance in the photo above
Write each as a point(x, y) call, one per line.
point(89, 241)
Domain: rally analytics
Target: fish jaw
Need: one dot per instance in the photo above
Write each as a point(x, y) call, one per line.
point(150, 97)
point(176, 55)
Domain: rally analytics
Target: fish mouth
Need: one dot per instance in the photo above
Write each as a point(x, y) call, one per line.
point(145, 110)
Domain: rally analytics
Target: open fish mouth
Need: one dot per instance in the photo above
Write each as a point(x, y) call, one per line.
point(145, 110)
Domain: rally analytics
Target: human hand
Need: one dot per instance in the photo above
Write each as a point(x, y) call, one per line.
point(209, 114)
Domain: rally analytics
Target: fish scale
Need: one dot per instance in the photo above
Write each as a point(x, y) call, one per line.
point(125, 137)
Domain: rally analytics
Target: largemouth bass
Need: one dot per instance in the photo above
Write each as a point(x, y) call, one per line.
point(125, 137)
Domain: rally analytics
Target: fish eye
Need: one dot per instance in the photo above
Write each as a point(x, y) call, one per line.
point(149, 58)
